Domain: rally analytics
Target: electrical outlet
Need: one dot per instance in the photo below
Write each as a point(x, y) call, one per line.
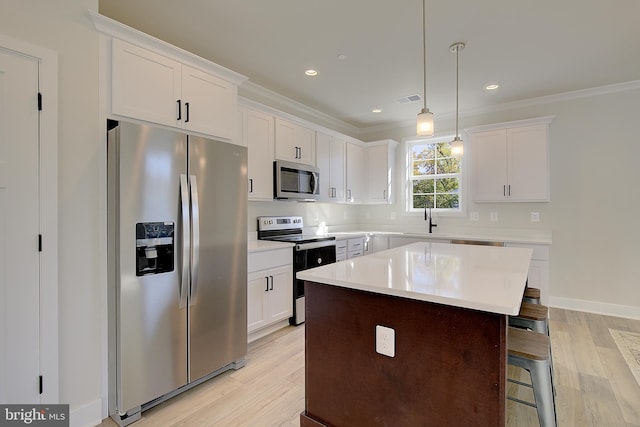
point(385, 341)
point(393, 216)
point(493, 217)
point(475, 216)
point(535, 216)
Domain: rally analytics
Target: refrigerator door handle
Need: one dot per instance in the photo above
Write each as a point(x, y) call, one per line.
point(186, 239)
point(195, 227)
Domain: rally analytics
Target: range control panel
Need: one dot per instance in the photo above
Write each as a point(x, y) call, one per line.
point(269, 223)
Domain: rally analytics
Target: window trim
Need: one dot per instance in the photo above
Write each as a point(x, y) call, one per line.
point(408, 143)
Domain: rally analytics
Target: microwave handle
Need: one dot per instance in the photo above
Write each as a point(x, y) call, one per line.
point(314, 182)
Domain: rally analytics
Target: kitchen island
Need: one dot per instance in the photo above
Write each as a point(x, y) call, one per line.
point(446, 307)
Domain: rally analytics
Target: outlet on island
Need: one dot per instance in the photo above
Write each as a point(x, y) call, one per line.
point(385, 341)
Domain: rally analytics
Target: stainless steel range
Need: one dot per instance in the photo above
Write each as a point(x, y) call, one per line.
point(309, 251)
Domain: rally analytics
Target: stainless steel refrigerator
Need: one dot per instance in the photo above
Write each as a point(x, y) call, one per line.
point(177, 263)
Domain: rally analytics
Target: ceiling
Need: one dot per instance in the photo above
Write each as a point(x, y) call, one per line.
point(531, 48)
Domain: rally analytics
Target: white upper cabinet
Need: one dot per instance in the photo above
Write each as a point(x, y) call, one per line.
point(356, 168)
point(380, 160)
point(295, 143)
point(156, 88)
point(258, 137)
point(511, 163)
point(330, 159)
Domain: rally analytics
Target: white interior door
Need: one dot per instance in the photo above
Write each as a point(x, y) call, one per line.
point(19, 229)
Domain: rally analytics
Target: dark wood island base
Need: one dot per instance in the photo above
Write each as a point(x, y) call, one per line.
point(449, 367)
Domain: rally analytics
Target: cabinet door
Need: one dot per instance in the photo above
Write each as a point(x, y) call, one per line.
point(338, 166)
point(280, 295)
point(295, 143)
point(330, 159)
point(145, 85)
point(209, 104)
point(259, 134)
point(257, 307)
point(489, 158)
point(527, 151)
point(355, 173)
point(379, 174)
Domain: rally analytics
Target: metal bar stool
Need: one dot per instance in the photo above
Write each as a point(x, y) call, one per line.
point(531, 295)
point(530, 351)
point(536, 318)
point(532, 316)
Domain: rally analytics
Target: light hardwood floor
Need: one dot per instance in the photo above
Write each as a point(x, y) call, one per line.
point(594, 385)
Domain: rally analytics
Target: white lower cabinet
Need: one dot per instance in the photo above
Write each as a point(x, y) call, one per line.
point(538, 276)
point(270, 288)
point(355, 247)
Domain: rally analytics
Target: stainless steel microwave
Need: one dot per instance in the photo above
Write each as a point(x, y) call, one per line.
point(295, 181)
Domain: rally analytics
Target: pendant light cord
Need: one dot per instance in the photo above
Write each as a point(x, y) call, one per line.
point(424, 55)
point(457, 53)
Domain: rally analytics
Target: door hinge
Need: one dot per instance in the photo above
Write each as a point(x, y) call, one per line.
point(39, 101)
point(39, 242)
point(40, 383)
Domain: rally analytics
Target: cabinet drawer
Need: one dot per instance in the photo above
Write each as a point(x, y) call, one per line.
point(341, 257)
point(341, 244)
point(268, 259)
point(355, 244)
point(354, 254)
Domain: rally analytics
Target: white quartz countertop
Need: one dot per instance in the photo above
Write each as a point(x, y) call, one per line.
point(491, 235)
point(484, 278)
point(266, 245)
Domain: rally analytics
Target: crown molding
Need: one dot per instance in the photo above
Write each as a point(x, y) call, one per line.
point(541, 100)
point(260, 94)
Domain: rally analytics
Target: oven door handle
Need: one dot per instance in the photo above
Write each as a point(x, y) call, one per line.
point(315, 245)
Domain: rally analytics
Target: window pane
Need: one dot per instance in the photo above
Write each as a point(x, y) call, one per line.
point(425, 167)
point(448, 165)
point(423, 186)
point(420, 202)
point(447, 185)
point(423, 152)
point(447, 201)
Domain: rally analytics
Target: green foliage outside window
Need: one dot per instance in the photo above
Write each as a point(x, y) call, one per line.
point(435, 176)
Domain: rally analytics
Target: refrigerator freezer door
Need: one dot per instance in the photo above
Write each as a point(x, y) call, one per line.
point(218, 315)
point(151, 327)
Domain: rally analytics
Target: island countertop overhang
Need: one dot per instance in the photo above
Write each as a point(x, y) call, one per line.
point(490, 279)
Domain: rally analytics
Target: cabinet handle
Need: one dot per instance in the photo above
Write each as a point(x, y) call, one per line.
point(267, 288)
point(509, 192)
point(300, 151)
point(384, 194)
point(250, 185)
point(271, 288)
point(504, 190)
point(179, 110)
point(186, 105)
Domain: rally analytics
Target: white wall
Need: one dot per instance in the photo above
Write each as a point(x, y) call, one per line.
point(64, 26)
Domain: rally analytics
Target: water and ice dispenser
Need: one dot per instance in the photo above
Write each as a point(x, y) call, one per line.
point(154, 247)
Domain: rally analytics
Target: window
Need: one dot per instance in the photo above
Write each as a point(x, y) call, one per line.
point(434, 177)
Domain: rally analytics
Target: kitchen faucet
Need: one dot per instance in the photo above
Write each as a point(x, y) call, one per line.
point(429, 218)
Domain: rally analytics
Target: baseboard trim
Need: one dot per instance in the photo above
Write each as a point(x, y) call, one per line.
point(607, 309)
point(87, 415)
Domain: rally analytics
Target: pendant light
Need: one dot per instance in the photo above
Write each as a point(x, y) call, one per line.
point(425, 117)
point(457, 147)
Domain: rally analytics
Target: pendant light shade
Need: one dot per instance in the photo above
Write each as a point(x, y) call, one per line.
point(425, 117)
point(457, 146)
point(425, 123)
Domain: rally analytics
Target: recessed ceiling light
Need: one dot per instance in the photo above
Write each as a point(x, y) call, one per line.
point(376, 110)
point(492, 86)
point(342, 57)
point(311, 72)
